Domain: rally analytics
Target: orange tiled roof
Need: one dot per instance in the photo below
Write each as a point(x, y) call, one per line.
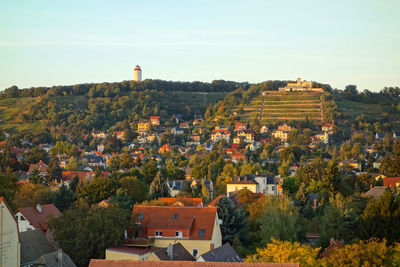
point(125, 263)
point(391, 181)
point(40, 166)
point(191, 219)
point(187, 201)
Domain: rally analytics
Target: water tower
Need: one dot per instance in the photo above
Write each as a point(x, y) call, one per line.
point(137, 74)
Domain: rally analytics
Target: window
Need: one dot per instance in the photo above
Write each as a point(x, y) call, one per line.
point(202, 232)
point(22, 218)
point(178, 234)
point(195, 251)
point(141, 216)
point(175, 216)
point(158, 233)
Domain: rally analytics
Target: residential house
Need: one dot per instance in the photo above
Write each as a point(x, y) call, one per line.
point(144, 126)
point(196, 228)
point(248, 136)
point(100, 147)
point(40, 166)
point(99, 135)
point(36, 218)
point(165, 148)
point(129, 253)
point(120, 135)
point(217, 136)
point(240, 126)
point(174, 252)
point(379, 136)
point(323, 137)
point(352, 163)
point(94, 160)
point(177, 131)
point(236, 157)
point(55, 258)
point(9, 237)
point(328, 128)
point(184, 125)
point(195, 139)
point(264, 129)
point(283, 135)
point(241, 182)
point(377, 164)
point(177, 186)
point(224, 253)
point(155, 120)
point(285, 128)
point(208, 182)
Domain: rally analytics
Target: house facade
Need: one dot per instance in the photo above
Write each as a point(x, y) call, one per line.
point(36, 218)
point(9, 237)
point(196, 228)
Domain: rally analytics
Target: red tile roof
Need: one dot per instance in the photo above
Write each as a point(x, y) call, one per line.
point(40, 166)
point(189, 219)
point(391, 181)
point(39, 219)
point(185, 201)
point(124, 263)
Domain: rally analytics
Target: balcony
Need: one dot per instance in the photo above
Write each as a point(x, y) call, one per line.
point(138, 242)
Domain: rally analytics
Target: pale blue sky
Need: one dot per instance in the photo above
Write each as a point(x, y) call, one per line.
point(50, 42)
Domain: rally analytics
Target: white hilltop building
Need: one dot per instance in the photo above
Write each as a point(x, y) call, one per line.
point(137, 74)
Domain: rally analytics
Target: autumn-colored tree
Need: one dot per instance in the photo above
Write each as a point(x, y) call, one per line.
point(365, 253)
point(286, 252)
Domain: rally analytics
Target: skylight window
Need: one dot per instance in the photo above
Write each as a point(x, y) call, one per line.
point(202, 232)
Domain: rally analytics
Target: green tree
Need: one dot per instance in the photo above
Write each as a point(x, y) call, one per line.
point(233, 220)
point(54, 171)
point(9, 188)
point(36, 177)
point(135, 188)
point(149, 170)
point(64, 198)
point(381, 216)
point(159, 187)
point(96, 190)
point(85, 233)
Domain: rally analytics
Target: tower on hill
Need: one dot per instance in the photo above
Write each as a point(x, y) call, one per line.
point(137, 74)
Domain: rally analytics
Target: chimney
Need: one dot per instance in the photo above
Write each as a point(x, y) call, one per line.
point(39, 208)
point(211, 247)
point(170, 251)
point(60, 256)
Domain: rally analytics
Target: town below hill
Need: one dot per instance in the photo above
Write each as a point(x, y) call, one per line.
point(290, 172)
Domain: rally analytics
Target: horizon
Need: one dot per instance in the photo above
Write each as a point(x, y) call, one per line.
point(51, 44)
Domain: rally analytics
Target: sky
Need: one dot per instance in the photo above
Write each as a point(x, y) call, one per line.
point(51, 42)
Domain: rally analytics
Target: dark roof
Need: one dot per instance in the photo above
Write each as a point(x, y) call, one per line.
point(125, 263)
point(224, 253)
point(53, 260)
point(179, 253)
point(34, 245)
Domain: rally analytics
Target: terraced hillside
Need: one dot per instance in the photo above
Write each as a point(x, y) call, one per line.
point(284, 106)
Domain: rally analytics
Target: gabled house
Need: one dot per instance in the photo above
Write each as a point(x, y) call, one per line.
point(286, 128)
point(240, 126)
point(184, 125)
point(264, 129)
point(36, 218)
point(165, 148)
point(155, 120)
point(248, 136)
point(196, 228)
point(283, 135)
point(224, 253)
point(10, 238)
point(327, 127)
point(218, 135)
point(236, 157)
point(40, 166)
